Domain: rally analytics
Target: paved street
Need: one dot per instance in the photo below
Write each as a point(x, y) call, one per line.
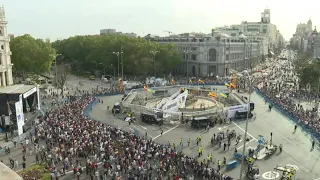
point(296, 146)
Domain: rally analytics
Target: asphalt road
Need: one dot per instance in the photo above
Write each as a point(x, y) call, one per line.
point(296, 146)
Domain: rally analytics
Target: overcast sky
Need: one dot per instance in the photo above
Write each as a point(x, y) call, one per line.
point(63, 18)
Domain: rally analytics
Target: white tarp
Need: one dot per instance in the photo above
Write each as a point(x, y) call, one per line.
point(233, 109)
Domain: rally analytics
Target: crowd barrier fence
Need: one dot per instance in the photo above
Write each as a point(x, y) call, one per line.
point(315, 135)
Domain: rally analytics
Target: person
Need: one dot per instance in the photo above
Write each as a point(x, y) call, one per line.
point(181, 142)
point(312, 146)
point(189, 142)
point(295, 128)
point(280, 147)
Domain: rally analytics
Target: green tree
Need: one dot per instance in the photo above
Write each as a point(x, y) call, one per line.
point(31, 55)
point(91, 51)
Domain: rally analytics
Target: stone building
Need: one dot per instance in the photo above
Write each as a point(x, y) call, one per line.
point(216, 54)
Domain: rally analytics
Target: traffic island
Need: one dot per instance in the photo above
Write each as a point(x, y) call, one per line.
point(35, 172)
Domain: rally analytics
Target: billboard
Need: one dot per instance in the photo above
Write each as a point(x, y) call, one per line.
point(19, 115)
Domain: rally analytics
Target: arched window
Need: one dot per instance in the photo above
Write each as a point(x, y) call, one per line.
point(212, 55)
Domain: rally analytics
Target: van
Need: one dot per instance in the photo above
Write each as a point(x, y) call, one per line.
point(151, 118)
point(243, 114)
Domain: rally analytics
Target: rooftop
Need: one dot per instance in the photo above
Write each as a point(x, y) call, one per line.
point(16, 89)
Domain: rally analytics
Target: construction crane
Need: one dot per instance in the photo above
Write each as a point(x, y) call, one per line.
point(169, 32)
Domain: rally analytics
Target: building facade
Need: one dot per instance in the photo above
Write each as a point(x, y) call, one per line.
point(5, 53)
point(302, 38)
point(114, 31)
point(216, 54)
point(264, 31)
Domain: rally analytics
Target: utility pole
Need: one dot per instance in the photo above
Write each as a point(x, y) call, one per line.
point(154, 53)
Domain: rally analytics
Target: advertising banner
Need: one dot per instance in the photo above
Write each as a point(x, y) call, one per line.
point(19, 115)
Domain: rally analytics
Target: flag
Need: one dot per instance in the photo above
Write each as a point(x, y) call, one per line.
point(222, 94)
point(173, 82)
point(190, 81)
point(227, 84)
point(212, 95)
point(200, 81)
point(232, 85)
point(145, 88)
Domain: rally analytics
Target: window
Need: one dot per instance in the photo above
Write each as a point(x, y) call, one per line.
point(2, 47)
point(264, 30)
point(227, 48)
point(193, 57)
point(193, 48)
point(227, 57)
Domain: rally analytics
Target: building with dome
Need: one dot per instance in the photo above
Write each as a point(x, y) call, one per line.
point(214, 54)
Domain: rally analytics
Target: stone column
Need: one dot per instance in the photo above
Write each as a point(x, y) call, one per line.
point(0, 81)
point(3, 77)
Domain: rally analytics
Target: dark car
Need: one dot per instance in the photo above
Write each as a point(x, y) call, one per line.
point(116, 108)
point(243, 114)
point(201, 122)
point(151, 118)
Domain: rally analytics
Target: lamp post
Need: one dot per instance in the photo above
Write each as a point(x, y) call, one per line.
point(114, 70)
point(96, 64)
point(247, 122)
point(186, 53)
point(104, 69)
point(154, 53)
point(118, 55)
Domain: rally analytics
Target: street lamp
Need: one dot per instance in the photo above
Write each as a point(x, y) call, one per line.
point(96, 64)
point(104, 69)
point(247, 122)
point(154, 53)
point(118, 55)
point(114, 70)
point(187, 58)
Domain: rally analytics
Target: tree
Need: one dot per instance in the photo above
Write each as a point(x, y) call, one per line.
point(90, 51)
point(31, 55)
point(60, 77)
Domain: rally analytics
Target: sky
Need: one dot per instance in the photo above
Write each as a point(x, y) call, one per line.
point(58, 19)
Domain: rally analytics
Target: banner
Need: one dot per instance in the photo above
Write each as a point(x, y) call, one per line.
point(177, 102)
point(19, 115)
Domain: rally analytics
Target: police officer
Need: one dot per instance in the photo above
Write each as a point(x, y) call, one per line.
point(280, 147)
point(181, 142)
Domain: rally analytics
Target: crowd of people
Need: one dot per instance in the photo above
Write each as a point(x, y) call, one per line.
point(98, 151)
point(280, 87)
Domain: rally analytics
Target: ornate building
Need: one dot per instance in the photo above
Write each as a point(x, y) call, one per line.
point(216, 54)
point(5, 53)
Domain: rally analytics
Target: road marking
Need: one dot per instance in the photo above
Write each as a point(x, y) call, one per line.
point(244, 131)
point(165, 132)
point(270, 175)
point(317, 179)
point(143, 127)
point(246, 144)
point(220, 128)
point(238, 142)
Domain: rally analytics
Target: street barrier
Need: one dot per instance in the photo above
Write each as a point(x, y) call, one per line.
point(315, 135)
